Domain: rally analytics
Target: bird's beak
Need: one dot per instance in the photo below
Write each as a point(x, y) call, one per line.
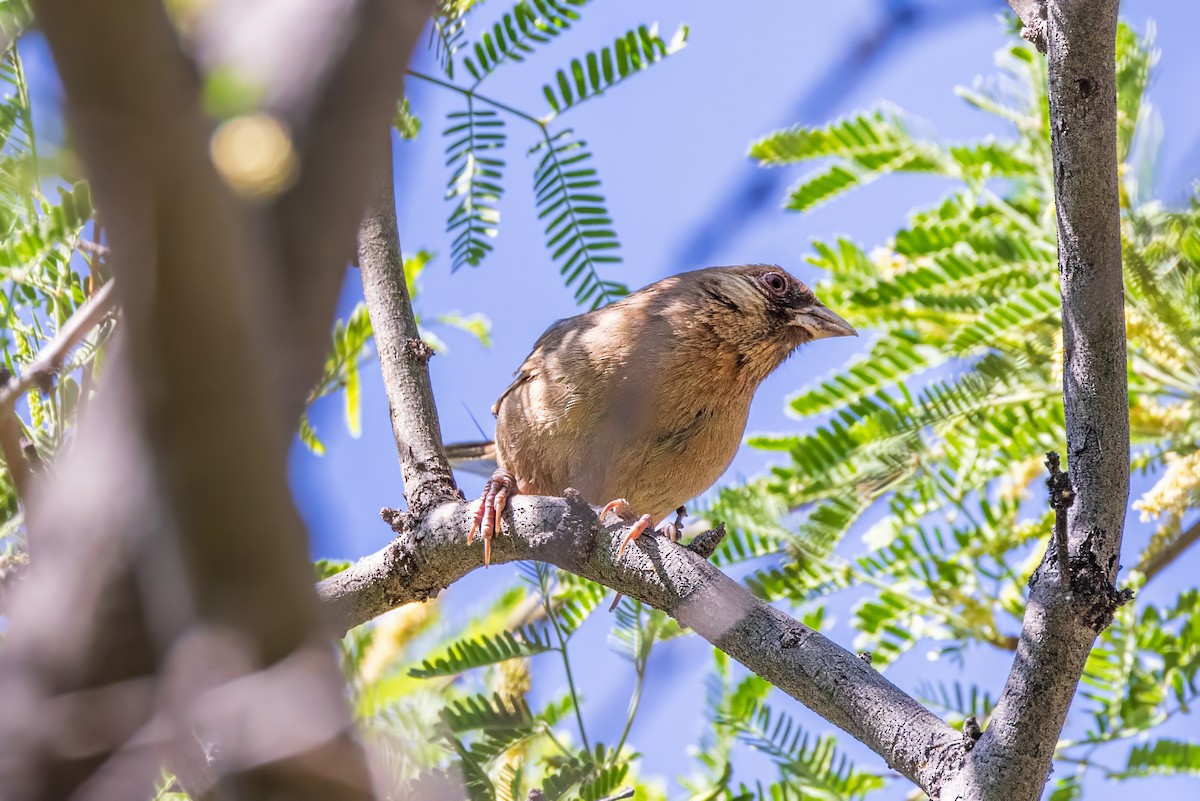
point(821, 323)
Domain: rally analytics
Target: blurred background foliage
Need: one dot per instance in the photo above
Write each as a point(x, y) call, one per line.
point(936, 434)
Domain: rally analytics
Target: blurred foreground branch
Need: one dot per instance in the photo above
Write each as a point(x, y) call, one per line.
point(169, 591)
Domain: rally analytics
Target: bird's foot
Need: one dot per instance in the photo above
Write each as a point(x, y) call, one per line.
point(499, 488)
point(674, 529)
point(620, 507)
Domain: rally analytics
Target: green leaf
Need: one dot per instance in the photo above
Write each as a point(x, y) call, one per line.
point(518, 32)
point(481, 712)
point(474, 138)
point(477, 325)
point(405, 122)
point(810, 763)
point(593, 75)
point(1163, 758)
point(470, 653)
point(308, 436)
point(578, 224)
point(28, 245)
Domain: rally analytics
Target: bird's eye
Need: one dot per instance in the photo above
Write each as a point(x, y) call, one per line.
point(775, 282)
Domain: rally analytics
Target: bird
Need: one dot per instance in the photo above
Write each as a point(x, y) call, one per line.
point(641, 405)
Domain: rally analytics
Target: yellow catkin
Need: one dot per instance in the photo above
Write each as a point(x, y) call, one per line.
point(1175, 491)
point(511, 678)
point(393, 632)
point(1155, 340)
point(1148, 416)
point(1057, 358)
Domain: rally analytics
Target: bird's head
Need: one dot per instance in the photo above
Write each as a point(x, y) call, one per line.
point(763, 312)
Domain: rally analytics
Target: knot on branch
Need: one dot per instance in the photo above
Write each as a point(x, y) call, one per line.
point(1096, 598)
point(705, 543)
point(1035, 34)
point(419, 350)
point(1033, 17)
point(394, 518)
point(1062, 494)
point(971, 732)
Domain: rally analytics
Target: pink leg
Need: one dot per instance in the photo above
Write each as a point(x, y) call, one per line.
point(491, 508)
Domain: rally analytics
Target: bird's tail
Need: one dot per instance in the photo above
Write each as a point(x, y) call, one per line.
point(473, 457)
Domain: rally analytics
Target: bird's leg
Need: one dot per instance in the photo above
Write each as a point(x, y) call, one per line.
point(620, 507)
point(488, 513)
point(674, 529)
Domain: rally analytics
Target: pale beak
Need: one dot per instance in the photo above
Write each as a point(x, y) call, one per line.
point(821, 323)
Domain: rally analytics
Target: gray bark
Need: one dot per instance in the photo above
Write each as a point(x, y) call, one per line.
point(1068, 608)
point(403, 355)
point(432, 553)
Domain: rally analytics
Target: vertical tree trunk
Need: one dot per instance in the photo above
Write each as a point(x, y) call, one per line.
point(1069, 607)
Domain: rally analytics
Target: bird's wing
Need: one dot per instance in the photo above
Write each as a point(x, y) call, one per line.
point(533, 362)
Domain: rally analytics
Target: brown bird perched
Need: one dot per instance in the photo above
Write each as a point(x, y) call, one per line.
point(641, 405)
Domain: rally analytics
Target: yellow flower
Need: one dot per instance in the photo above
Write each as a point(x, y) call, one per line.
point(1175, 491)
point(393, 631)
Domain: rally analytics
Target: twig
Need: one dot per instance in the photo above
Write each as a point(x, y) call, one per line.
point(50, 358)
point(1154, 564)
point(403, 355)
point(1061, 498)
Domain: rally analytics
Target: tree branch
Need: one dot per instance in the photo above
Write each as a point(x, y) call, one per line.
point(1033, 17)
point(1160, 560)
point(342, 153)
point(1072, 599)
point(432, 553)
point(403, 355)
point(50, 359)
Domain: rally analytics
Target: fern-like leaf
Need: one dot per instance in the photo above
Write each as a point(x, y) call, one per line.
point(468, 654)
point(474, 135)
point(813, 763)
point(579, 229)
point(1163, 758)
point(599, 71)
point(58, 225)
point(517, 32)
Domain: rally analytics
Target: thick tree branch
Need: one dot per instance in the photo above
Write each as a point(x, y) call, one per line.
point(432, 553)
point(403, 355)
point(1072, 597)
point(343, 151)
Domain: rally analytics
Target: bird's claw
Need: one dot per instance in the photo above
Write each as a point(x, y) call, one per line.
point(674, 529)
point(620, 507)
point(490, 510)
